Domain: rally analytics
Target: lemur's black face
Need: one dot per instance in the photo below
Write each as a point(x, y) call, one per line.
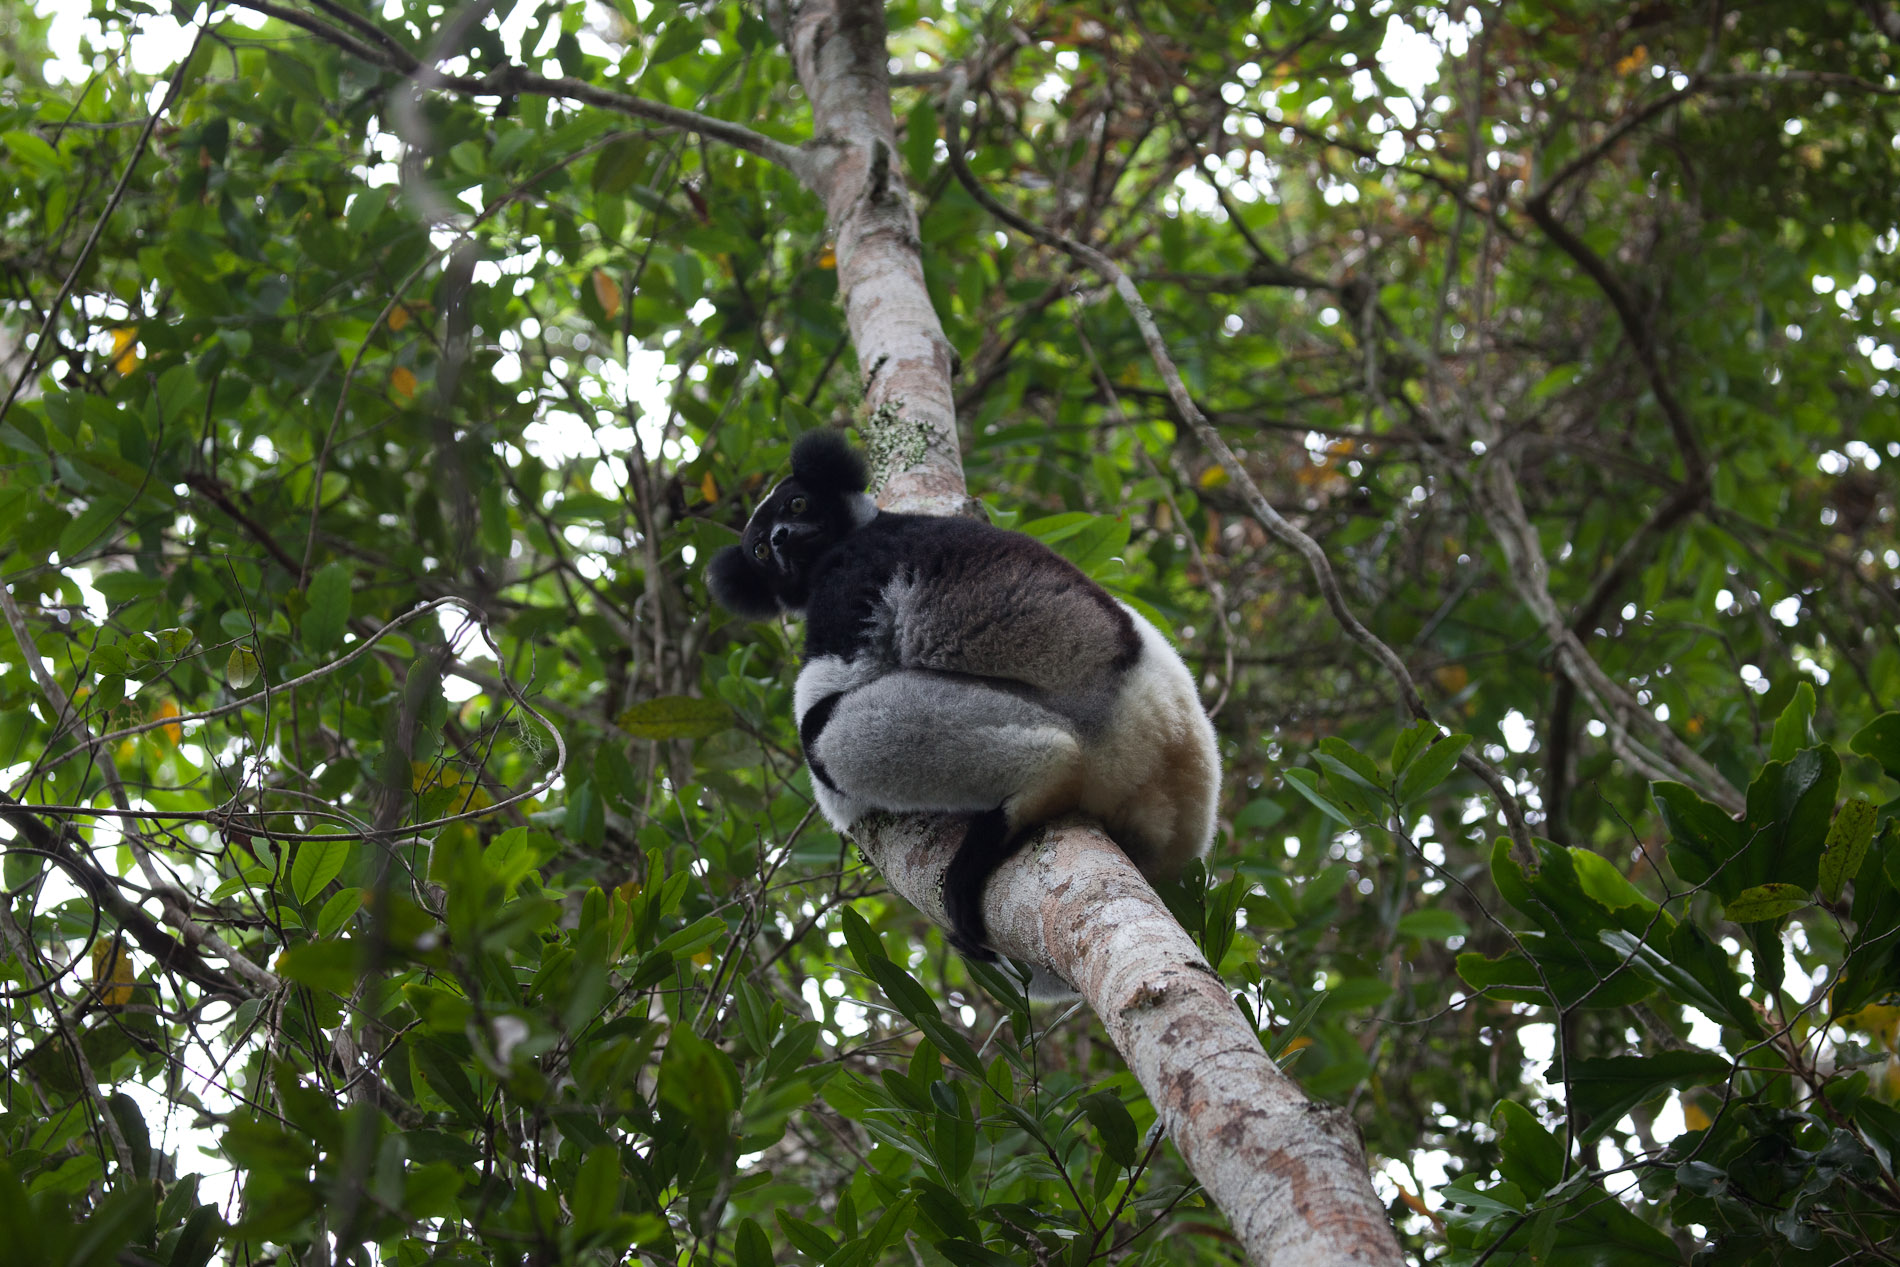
point(821, 504)
point(788, 532)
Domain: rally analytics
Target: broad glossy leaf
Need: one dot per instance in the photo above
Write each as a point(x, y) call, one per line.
point(1847, 842)
point(675, 717)
point(329, 607)
point(1603, 1089)
point(1880, 739)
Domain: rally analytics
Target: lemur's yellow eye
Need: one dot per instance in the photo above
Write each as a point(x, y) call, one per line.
point(798, 505)
point(759, 552)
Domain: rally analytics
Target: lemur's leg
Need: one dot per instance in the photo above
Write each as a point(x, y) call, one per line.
point(916, 740)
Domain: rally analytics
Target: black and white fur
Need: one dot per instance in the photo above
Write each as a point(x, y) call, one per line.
point(953, 667)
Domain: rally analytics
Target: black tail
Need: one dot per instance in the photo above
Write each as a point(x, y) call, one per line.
point(987, 845)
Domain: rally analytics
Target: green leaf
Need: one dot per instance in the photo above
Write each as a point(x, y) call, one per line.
point(1409, 743)
point(910, 998)
point(1295, 1027)
point(1790, 805)
point(1603, 1089)
point(1765, 902)
point(317, 862)
point(700, 1081)
point(323, 965)
point(680, 36)
point(89, 526)
point(444, 1075)
point(1529, 1156)
point(1306, 783)
point(797, 418)
point(945, 1210)
point(33, 151)
point(1259, 815)
point(1111, 1120)
point(1880, 739)
point(594, 1199)
point(973, 1254)
point(920, 138)
point(328, 611)
point(805, 1238)
point(1794, 729)
point(751, 1247)
point(1431, 767)
point(337, 911)
point(1691, 969)
point(1847, 843)
point(1433, 925)
point(675, 717)
point(953, 1140)
point(1701, 837)
point(1349, 758)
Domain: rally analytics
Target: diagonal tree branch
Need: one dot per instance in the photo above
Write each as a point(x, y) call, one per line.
point(1263, 510)
point(512, 80)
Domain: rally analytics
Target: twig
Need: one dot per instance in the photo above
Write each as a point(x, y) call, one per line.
point(1286, 532)
point(510, 80)
point(98, 227)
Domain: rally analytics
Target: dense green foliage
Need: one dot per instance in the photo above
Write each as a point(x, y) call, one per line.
point(344, 348)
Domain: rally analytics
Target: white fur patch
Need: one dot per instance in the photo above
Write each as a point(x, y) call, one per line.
point(827, 675)
point(1154, 779)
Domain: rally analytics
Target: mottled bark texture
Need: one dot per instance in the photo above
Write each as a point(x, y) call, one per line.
point(904, 360)
point(1290, 1174)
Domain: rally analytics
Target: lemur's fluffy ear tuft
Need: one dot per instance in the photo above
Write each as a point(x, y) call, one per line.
point(740, 587)
point(825, 462)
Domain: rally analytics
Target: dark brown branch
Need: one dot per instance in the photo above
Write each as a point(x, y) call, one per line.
point(510, 80)
point(1678, 506)
point(1263, 510)
point(167, 951)
point(1635, 328)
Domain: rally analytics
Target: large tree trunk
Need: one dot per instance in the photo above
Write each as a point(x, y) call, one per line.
point(1289, 1173)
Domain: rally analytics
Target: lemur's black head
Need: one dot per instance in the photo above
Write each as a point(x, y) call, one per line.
point(822, 503)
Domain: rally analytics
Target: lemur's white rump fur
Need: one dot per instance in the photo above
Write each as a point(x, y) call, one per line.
point(907, 739)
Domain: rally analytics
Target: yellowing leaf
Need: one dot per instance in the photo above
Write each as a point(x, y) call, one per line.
point(403, 383)
point(675, 717)
point(708, 489)
point(424, 775)
point(1879, 1019)
point(829, 258)
point(112, 969)
point(1213, 477)
point(399, 317)
point(1638, 58)
point(125, 342)
point(1694, 1117)
point(240, 667)
point(607, 290)
point(1765, 902)
point(169, 708)
point(703, 958)
point(1452, 678)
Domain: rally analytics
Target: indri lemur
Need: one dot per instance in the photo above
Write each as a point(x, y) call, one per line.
point(953, 667)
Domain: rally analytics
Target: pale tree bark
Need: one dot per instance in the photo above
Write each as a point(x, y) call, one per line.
point(1289, 1173)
